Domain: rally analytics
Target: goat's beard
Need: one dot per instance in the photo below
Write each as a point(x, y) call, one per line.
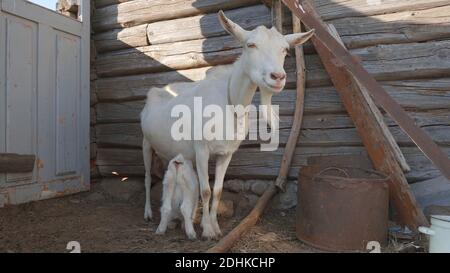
point(266, 99)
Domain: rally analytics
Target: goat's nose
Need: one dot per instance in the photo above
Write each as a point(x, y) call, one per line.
point(278, 76)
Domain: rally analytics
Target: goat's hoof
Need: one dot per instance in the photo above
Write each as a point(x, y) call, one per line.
point(148, 215)
point(192, 236)
point(148, 218)
point(217, 230)
point(208, 234)
point(160, 232)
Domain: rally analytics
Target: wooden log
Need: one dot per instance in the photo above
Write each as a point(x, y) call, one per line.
point(121, 38)
point(15, 163)
point(378, 146)
point(353, 8)
point(104, 3)
point(68, 7)
point(403, 27)
point(93, 115)
point(173, 56)
point(318, 130)
point(138, 12)
point(206, 26)
point(412, 95)
point(136, 87)
point(251, 163)
point(384, 62)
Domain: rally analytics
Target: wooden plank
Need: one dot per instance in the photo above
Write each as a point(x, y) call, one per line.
point(206, 26)
point(15, 163)
point(137, 12)
point(352, 8)
point(121, 38)
point(403, 27)
point(384, 62)
point(249, 163)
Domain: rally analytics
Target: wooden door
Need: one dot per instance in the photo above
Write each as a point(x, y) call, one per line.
point(44, 100)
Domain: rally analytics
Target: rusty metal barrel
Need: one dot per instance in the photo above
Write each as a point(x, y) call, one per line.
point(342, 208)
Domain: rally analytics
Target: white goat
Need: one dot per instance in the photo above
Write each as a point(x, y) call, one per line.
point(260, 65)
point(180, 195)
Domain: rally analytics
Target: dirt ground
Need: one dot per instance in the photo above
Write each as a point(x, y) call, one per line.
point(104, 224)
point(101, 223)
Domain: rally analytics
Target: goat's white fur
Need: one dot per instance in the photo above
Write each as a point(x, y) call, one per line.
point(264, 51)
point(180, 195)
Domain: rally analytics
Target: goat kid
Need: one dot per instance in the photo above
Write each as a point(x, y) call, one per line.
point(180, 195)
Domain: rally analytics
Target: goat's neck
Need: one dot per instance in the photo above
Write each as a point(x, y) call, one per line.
point(240, 87)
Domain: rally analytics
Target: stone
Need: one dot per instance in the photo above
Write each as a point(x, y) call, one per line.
point(234, 185)
point(246, 203)
point(288, 199)
point(258, 187)
point(226, 208)
point(122, 190)
point(252, 199)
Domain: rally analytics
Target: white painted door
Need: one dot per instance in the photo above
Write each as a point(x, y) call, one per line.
point(44, 100)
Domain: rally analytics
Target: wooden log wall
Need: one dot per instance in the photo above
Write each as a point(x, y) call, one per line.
point(405, 44)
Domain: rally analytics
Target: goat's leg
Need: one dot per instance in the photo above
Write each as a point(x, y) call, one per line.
point(147, 154)
point(186, 210)
point(201, 158)
point(166, 208)
point(222, 163)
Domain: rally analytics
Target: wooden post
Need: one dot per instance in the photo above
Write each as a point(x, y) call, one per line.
point(277, 15)
point(377, 144)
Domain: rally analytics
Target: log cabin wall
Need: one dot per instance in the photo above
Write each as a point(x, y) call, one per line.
point(405, 44)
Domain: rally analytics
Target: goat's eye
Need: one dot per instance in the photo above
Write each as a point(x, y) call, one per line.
point(251, 45)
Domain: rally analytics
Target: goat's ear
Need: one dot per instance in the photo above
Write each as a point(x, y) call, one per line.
point(299, 38)
point(232, 28)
